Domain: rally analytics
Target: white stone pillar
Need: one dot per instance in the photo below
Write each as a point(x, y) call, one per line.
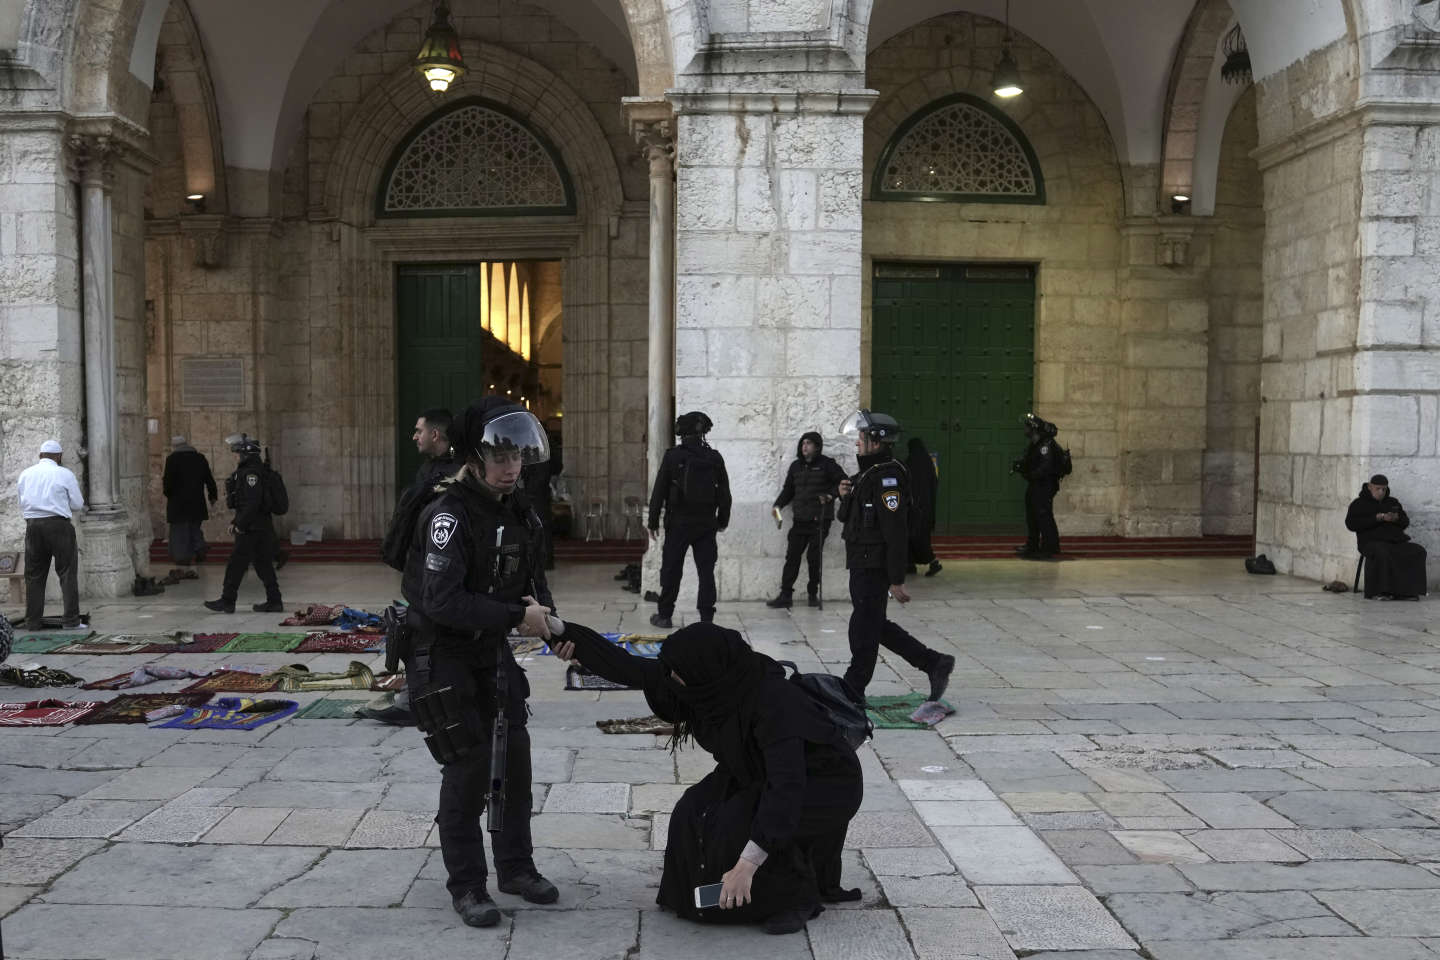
point(767, 312)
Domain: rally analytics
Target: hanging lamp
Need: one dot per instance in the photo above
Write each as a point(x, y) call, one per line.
point(1005, 81)
point(439, 60)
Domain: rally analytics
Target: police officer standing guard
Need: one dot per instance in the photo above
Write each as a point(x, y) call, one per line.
point(478, 547)
point(1042, 466)
point(247, 492)
point(694, 489)
point(809, 490)
point(875, 507)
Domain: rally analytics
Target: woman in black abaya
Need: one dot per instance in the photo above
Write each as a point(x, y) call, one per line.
point(1394, 566)
point(769, 821)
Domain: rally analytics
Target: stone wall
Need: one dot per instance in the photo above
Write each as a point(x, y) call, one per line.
point(1073, 238)
point(1236, 300)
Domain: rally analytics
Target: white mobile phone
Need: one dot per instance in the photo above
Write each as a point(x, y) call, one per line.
point(708, 896)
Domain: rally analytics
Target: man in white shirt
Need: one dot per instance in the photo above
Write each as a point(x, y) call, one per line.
point(49, 495)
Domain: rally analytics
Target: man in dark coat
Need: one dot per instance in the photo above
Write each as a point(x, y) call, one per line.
point(924, 494)
point(1394, 565)
point(188, 484)
point(536, 481)
point(809, 491)
point(693, 490)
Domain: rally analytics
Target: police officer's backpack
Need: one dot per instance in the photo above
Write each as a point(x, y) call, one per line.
point(396, 546)
point(1063, 466)
point(277, 498)
point(836, 700)
point(698, 483)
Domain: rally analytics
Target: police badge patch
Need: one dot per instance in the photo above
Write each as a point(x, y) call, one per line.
point(442, 528)
point(252, 479)
point(892, 501)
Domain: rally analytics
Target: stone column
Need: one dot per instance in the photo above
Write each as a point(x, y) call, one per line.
point(767, 314)
point(106, 566)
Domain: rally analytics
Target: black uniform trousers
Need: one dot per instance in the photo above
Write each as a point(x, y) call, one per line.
point(810, 541)
point(465, 783)
point(701, 541)
point(46, 539)
point(1041, 533)
point(870, 630)
point(255, 547)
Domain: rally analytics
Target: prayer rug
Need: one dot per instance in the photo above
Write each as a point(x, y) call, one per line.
point(201, 643)
point(144, 674)
point(39, 643)
point(315, 615)
point(44, 713)
point(341, 643)
point(523, 645)
point(330, 708)
point(132, 707)
point(894, 713)
point(263, 643)
point(38, 677)
point(578, 678)
point(650, 724)
point(361, 620)
point(293, 680)
point(231, 713)
point(389, 681)
point(239, 680)
point(166, 640)
point(90, 648)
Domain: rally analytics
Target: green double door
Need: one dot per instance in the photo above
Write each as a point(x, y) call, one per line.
point(438, 341)
point(953, 359)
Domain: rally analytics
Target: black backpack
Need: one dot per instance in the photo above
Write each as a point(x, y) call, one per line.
point(396, 545)
point(1062, 461)
point(836, 700)
point(277, 499)
point(698, 483)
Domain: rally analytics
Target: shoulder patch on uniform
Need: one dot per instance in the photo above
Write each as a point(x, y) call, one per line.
point(892, 501)
point(1045, 448)
point(437, 562)
point(890, 482)
point(442, 528)
point(252, 479)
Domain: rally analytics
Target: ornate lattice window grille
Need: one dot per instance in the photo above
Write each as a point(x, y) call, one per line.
point(959, 149)
point(475, 158)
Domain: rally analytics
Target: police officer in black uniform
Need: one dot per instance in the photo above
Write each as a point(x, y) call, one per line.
point(252, 527)
point(694, 490)
point(1040, 466)
point(874, 507)
point(809, 491)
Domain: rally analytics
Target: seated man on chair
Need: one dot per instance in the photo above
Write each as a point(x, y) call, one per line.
point(1394, 565)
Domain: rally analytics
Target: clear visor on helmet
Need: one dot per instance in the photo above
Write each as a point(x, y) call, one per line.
point(515, 435)
point(854, 424)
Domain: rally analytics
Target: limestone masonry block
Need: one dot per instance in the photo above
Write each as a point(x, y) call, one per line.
point(715, 301)
point(748, 353)
point(822, 353)
point(798, 190)
point(785, 301)
point(1404, 370)
point(1385, 425)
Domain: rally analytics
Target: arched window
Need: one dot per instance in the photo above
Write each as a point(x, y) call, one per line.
point(960, 149)
point(475, 158)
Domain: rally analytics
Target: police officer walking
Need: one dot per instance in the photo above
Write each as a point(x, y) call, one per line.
point(809, 490)
point(1042, 466)
point(875, 507)
point(478, 552)
point(694, 490)
point(247, 492)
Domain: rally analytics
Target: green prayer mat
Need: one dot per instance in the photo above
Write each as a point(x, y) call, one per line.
point(264, 643)
point(330, 708)
point(41, 643)
point(893, 713)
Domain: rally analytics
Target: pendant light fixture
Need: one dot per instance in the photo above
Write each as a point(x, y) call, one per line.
point(1005, 81)
point(439, 60)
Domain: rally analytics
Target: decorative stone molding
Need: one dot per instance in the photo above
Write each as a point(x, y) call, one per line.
point(93, 157)
point(207, 234)
point(1172, 249)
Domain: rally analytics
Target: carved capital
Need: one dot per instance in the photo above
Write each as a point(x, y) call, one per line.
point(1172, 249)
point(206, 234)
point(652, 126)
point(91, 158)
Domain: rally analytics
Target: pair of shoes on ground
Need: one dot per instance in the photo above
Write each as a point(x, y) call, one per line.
point(665, 623)
point(478, 910)
point(269, 606)
point(1029, 553)
point(784, 601)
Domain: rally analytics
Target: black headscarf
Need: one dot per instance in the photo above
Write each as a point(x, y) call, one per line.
point(721, 691)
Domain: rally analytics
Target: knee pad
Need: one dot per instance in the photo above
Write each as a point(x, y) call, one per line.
point(440, 715)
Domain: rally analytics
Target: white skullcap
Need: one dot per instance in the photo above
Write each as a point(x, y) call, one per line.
point(177, 440)
point(50, 446)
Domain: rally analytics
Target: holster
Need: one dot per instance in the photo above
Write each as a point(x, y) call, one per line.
point(440, 715)
point(398, 636)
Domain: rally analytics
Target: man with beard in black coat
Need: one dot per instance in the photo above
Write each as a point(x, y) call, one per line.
point(809, 491)
point(1394, 565)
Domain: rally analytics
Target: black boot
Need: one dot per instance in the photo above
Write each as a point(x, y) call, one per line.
point(269, 606)
point(791, 921)
point(220, 606)
point(660, 620)
point(393, 715)
point(530, 885)
point(840, 895)
point(940, 675)
point(814, 600)
point(782, 601)
point(934, 568)
point(477, 909)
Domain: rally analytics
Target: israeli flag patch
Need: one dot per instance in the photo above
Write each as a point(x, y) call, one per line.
point(890, 482)
point(442, 528)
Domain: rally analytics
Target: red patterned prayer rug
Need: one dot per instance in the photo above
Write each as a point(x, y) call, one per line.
point(341, 643)
point(132, 707)
point(203, 643)
point(238, 680)
point(317, 615)
point(44, 713)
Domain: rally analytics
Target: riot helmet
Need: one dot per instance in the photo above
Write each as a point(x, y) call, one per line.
point(880, 427)
point(242, 443)
point(1041, 428)
point(692, 424)
point(496, 427)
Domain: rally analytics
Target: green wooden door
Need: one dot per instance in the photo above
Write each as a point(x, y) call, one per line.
point(437, 357)
point(953, 359)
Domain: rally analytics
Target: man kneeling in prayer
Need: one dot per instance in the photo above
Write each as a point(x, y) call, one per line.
point(1394, 565)
point(769, 822)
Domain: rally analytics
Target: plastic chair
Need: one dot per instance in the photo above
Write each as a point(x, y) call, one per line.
point(635, 514)
point(595, 521)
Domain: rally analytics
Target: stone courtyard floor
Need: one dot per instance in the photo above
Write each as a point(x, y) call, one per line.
point(1160, 758)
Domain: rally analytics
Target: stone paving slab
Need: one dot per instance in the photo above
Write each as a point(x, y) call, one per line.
point(174, 824)
point(357, 933)
point(1315, 875)
point(1002, 855)
point(1174, 916)
point(377, 878)
point(1300, 948)
point(69, 931)
point(853, 934)
point(955, 934)
point(38, 861)
point(1052, 918)
point(167, 875)
point(1388, 913)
